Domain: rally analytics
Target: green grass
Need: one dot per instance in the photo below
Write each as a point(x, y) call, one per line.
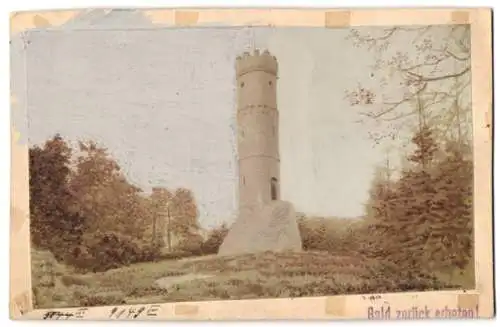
point(265, 275)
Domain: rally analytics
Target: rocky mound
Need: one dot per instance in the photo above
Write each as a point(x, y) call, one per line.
point(269, 227)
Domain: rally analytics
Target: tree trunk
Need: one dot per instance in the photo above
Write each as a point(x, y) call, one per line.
point(421, 125)
point(169, 230)
point(153, 240)
point(459, 125)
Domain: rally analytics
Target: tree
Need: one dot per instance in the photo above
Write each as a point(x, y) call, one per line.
point(426, 148)
point(420, 99)
point(53, 226)
point(424, 221)
point(403, 212)
point(184, 214)
point(103, 195)
point(382, 219)
point(162, 219)
point(454, 180)
point(174, 216)
point(313, 233)
point(436, 70)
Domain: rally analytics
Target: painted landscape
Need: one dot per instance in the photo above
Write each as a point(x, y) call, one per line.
point(262, 168)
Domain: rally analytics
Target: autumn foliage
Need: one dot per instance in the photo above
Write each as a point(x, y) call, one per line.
point(424, 219)
point(421, 221)
point(87, 214)
point(419, 216)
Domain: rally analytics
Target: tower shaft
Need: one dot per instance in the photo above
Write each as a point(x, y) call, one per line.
point(258, 129)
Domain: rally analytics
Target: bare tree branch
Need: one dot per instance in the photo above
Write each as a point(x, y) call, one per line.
point(438, 71)
point(389, 32)
point(437, 61)
point(448, 52)
point(437, 78)
point(405, 115)
point(395, 105)
point(421, 33)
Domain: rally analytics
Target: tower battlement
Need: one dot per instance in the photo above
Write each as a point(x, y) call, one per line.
point(256, 61)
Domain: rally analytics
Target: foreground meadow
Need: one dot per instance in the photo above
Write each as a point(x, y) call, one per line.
point(265, 275)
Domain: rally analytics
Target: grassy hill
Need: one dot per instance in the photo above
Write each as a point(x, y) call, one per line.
point(265, 275)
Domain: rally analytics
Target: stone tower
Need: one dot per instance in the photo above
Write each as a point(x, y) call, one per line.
point(257, 115)
point(265, 222)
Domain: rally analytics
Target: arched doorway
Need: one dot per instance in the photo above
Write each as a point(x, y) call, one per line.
point(274, 188)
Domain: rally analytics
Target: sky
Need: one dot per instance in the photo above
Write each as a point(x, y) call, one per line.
point(163, 102)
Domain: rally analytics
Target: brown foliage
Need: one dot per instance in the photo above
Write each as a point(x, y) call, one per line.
point(334, 235)
point(420, 222)
point(185, 212)
point(176, 218)
point(214, 240)
point(104, 196)
point(87, 213)
point(424, 219)
point(53, 226)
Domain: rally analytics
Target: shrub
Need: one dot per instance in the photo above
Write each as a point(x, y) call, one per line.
point(173, 255)
point(91, 300)
point(191, 245)
point(68, 280)
point(214, 240)
point(104, 251)
point(49, 290)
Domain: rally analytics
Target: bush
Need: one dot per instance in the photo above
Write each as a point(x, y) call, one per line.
point(92, 300)
point(110, 250)
point(148, 252)
point(191, 245)
point(214, 240)
point(69, 280)
point(334, 235)
point(49, 290)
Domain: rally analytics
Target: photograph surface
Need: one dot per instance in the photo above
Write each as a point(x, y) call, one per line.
point(245, 162)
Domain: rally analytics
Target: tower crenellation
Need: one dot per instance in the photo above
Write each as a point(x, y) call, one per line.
point(255, 61)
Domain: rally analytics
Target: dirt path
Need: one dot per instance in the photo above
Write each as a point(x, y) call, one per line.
point(167, 282)
point(200, 258)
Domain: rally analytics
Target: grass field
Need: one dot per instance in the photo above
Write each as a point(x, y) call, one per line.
point(265, 275)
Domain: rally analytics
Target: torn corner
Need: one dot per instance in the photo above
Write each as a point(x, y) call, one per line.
point(20, 305)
